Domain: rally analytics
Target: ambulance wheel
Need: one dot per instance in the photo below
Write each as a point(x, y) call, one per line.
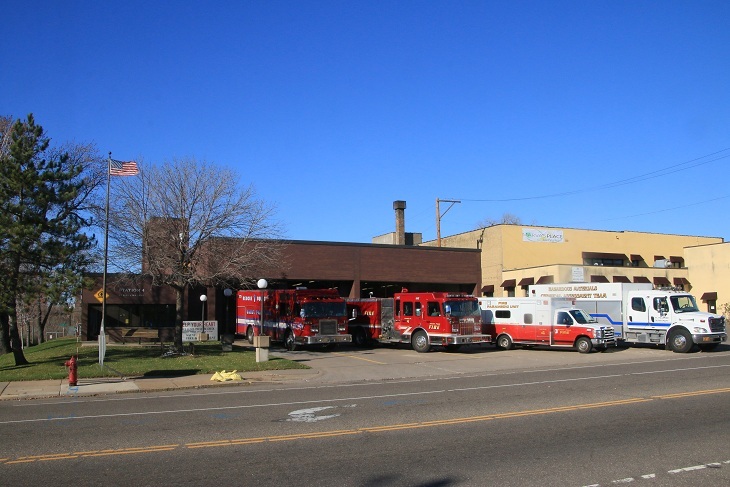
point(504, 342)
point(680, 341)
point(419, 342)
point(289, 342)
point(249, 335)
point(584, 345)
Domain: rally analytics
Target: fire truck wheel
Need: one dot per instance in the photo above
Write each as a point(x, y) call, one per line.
point(419, 342)
point(504, 342)
point(289, 341)
point(680, 341)
point(249, 335)
point(583, 345)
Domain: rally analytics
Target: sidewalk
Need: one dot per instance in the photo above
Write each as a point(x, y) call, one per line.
point(101, 386)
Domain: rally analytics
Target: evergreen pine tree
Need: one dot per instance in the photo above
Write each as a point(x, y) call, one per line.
point(40, 221)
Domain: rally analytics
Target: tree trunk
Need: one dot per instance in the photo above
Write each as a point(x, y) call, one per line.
point(4, 333)
point(179, 297)
point(15, 344)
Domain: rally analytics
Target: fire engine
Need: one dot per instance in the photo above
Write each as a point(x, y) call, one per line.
point(641, 314)
point(543, 321)
point(293, 316)
point(419, 319)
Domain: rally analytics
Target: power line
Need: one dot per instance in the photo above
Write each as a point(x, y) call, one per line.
point(634, 179)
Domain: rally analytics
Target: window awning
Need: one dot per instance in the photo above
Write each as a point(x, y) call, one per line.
point(621, 279)
point(599, 279)
point(509, 283)
point(636, 257)
point(488, 289)
point(680, 281)
point(641, 279)
point(712, 296)
point(661, 281)
point(527, 281)
point(545, 280)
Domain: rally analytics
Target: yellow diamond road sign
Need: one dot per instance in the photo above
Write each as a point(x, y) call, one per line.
point(100, 295)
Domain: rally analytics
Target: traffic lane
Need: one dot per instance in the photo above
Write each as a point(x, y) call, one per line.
point(710, 365)
point(305, 410)
point(575, 447)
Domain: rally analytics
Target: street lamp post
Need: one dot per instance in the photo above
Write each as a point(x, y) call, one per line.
point(262, 284)
point(203, 299)
point(262, 342)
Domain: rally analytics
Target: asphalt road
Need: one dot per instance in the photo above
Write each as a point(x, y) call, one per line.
point(394, 417)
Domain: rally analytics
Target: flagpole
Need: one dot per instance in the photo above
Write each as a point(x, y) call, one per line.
point(102, 332)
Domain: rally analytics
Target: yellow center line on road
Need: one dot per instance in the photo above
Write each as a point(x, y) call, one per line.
point(355, 431)
point(695, 393)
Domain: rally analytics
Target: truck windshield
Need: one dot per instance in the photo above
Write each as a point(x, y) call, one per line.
point(683, 303)
point(581, 317)
point(324, 310)
point(463, 308)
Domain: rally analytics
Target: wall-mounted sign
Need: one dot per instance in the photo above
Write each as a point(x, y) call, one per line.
point(537, 235)
point(577, 274)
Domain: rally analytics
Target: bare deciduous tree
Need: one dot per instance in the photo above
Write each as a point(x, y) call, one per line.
point(186, 223)
point(507, 218)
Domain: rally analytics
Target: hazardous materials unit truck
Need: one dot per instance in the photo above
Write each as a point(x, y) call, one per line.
point(420, 319)
point(641, 314)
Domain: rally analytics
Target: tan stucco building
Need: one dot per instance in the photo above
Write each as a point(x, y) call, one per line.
point(515, 256)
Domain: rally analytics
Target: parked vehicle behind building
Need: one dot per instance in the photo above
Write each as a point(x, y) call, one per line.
point(293, 316)
point(553, 322)
point(421, 320)
point(640, 314)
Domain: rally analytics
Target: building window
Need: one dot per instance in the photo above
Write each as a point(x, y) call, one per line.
point(603, 261)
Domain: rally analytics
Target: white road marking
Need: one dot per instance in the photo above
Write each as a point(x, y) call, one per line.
point(310, 415)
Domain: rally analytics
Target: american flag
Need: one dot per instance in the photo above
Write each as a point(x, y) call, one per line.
point(119, 168)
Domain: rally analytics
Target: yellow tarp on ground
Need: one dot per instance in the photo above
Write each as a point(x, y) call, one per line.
point(224, 376)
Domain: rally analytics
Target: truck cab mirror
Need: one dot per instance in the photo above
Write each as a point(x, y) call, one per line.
point(447, 309)
point(354, 312)
point(302, 314)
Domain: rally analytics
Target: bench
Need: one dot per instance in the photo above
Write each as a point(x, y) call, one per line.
point(138, 334)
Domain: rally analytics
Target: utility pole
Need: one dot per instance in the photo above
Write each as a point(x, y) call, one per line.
point(439, 215)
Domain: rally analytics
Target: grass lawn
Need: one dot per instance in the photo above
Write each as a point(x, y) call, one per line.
point(47, 361)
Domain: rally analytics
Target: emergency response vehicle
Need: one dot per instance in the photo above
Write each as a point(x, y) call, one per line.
point(293, 316)
point(641, 314)
point(421, 320)
point(543, 321)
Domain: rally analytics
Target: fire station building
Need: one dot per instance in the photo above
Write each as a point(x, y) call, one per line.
point(500, 260)
point(515, 256)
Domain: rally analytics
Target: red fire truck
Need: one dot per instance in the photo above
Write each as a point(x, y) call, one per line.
point(543, 321)
point(419, 319)
point(293, 316)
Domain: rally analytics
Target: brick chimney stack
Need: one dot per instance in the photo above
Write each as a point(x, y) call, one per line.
point(400, 222)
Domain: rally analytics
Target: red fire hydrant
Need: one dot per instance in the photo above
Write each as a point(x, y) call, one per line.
point(72, 371)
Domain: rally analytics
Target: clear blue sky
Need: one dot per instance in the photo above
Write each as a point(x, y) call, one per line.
point(334, 109)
